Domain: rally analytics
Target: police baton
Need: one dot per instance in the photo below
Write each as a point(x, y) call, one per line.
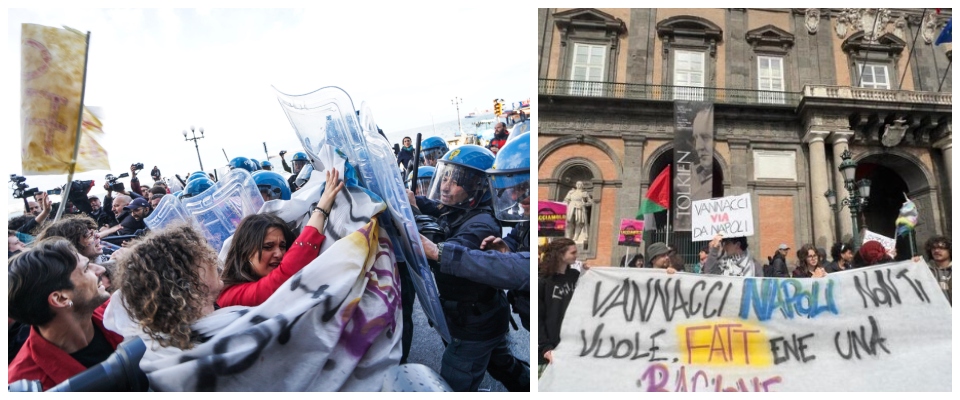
point(416, 166)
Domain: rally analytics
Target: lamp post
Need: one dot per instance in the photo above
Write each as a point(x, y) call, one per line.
point(457, 101)
point(859, 194)
point(195, 139)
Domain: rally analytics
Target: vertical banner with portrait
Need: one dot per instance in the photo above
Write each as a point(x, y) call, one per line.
point(692, 159)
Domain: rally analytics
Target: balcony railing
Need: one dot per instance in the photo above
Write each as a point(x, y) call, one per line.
point(881, 95)
point(636, 91)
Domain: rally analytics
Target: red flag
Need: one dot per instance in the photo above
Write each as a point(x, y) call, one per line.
point(658, 196)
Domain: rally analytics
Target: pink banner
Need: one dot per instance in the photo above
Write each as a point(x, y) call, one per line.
point(552, 218)
point(631, 232)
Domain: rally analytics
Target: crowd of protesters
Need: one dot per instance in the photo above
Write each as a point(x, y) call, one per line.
point(62, 273)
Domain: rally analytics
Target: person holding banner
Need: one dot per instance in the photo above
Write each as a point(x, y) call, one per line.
point(842, 258)
point(729, 256)
point(941, 263)
point(556, 285)
point(811, 265)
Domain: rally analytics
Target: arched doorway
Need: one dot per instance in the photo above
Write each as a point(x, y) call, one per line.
point(891, 177)
point(682, 243)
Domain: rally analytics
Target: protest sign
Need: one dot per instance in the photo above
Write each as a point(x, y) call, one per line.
point(551, 218)
point(631, 232)
point(881, 328)
point(732, 216)
point(889, 244)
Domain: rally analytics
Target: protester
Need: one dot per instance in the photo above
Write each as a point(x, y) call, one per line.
point(500, 136)
point(405, 156)
point(82, 233)
point(131, 219)
point(258, 263)
point(557, 281)
point(168, 280)
point(701, 257)
point(811, 265)
point(674, 262)
point(658, 255)
point(476, 314)
point(729, 256)
point(938, 249)
point(635, 262)
point(842, 254)
point(14, 245)
point(55, 290)
point(873, 253)
point(33, 208)
point(777, 266)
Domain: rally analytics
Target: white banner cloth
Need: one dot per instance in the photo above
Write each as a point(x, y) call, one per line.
point(883, 328)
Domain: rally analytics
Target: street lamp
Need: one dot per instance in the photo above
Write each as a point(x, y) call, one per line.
point(859, 194)
point(195, 139)
point(457, 101)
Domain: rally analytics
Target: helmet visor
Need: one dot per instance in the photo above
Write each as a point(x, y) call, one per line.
point(430, 156)
point(457, 186)
point(511, 196)
point(270, 192)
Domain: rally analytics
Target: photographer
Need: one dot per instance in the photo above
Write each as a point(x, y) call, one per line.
point(134, 181)
point(43, 200)
point(131, 216)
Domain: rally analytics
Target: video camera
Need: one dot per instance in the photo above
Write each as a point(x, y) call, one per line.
point(112, 181)
point(20, 187)
point(138, 166)
point(119, 373)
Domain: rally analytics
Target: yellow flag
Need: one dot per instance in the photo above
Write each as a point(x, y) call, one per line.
point(50, 99)
point(91, 155)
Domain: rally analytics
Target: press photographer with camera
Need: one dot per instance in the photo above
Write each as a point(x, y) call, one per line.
point(117, 204)
point(134, 180)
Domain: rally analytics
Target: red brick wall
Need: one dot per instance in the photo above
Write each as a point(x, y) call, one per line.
point(776, 225)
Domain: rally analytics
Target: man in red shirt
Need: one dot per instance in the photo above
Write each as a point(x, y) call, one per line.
point(55, 290)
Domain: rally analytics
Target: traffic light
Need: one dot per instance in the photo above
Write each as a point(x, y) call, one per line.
point(497, 108)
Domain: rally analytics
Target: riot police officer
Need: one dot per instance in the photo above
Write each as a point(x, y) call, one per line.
point(477, 314)
point(504, 263)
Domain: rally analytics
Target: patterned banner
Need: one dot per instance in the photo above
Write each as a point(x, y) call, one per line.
point(882, 328)
point(692, 159)
point(52, 65)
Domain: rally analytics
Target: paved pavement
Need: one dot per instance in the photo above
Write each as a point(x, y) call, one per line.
point(427, 348)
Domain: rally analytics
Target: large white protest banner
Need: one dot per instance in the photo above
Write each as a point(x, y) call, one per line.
point(732, 216)
point(882, 328)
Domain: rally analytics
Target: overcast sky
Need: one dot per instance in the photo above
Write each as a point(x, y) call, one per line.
point(156, 72)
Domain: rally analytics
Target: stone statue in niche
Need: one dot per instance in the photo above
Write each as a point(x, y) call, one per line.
point(812, 20)
point(577, 201)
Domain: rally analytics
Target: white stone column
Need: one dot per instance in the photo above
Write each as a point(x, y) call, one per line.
point(839, 139)
point(823, 233)
point(946, 146)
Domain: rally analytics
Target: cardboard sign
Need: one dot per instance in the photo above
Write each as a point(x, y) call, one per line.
point(551, 218)
point(631, 232)
point(889, 244)
point(881, 328)
point(732, 216)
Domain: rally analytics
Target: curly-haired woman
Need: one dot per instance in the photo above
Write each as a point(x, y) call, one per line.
point(258, 262)
point(169, 279)
point(557, 281)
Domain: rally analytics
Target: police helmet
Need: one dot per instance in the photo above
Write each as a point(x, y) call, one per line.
point(197, 174)
point(242, 162)
point(256, 164)
point(196, 186)
point(424, 176)
point(431, 149)
point(272, 185)
point(299, 160)
point(266, 166)
point(510, 180)
point(460, 179)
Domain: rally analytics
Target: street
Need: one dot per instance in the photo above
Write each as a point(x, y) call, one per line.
point(427, 348)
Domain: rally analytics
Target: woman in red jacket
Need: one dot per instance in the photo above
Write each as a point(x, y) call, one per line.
point(258, 261)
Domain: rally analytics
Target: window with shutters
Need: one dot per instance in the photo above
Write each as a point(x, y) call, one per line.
point(770, 80)
point(587, 68)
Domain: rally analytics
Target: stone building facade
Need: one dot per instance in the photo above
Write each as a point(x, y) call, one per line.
point(792, 89)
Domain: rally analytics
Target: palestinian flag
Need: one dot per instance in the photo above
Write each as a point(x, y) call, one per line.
point(657, 199)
